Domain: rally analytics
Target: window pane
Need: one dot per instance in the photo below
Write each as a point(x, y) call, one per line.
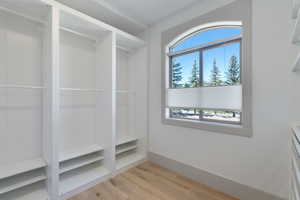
point(227, 116)
point(221, 65)
point(204, 37)
point(180, 113)
point(185, 70)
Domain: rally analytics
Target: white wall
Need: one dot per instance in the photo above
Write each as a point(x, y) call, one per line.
point(261, 161)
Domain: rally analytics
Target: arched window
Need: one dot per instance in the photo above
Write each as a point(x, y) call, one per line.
point(204, 79)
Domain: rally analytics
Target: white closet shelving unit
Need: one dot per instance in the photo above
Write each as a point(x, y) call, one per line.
point(73, 94)
point(84, 50)
point(130, 143)
point(22, 108)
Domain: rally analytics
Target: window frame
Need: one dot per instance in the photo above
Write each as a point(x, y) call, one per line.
point(244, 128)
point(200, 49)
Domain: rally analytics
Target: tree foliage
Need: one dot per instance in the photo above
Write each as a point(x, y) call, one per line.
point(215, 77)
point(176, 74)
point(194, 79)
point(233, 71)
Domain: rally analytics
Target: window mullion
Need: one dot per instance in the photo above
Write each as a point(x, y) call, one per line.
point(201, 76)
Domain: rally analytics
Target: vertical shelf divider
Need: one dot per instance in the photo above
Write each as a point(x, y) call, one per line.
point(52, 102)
point(105, 70)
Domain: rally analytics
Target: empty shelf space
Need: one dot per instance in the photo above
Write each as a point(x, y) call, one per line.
point(128, 158)
point(80, 162)
point(81, 176)
point(126, 140)
point(79, 152)
point(125, 149)
point(21, 180)
point(21, 167)
point(125, 145)
point(35, 191)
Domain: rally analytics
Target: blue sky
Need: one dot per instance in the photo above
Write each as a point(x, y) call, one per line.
point(221, 54)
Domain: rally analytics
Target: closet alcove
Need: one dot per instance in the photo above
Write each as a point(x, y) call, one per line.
point(73, 102)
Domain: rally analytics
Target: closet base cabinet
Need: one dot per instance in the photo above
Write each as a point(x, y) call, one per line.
point(73, 100)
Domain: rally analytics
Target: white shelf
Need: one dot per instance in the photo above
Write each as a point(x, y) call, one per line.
point(79, 152)
point(123, 150)
point(126, 160)
point(127, 41)
point(36, 191)
point(81, 89)
point(80, 177)
point(93, 28)
point(71, 165)
point(21, 167)
point(126, 140)
point(21, 181)
point(296, 6)
point(21, 86)
point(125, 91)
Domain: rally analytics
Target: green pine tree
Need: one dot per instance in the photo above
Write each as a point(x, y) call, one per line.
point(233, 74)
point(194, 79)
point(215, 77)
point(233, 71)
point(186, 85)
point(176, 74)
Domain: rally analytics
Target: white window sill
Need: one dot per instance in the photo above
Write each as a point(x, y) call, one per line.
point(231, 129)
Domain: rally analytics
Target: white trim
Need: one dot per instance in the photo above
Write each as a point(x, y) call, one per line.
point(201, 124)
point(22, 15)
point(215, 181)
point(121, 14)
point(200, 28)
point(245, 127)
point(217, 42)
point(94, 21)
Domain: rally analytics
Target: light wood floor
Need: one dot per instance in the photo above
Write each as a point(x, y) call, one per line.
point(149, 181)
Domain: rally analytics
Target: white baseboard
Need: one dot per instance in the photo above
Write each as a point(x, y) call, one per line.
point(221, 184)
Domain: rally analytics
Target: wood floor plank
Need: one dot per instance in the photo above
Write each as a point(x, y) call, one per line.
point(166, 186)
point(134, 191)
point(149, 181)
point(183, 181)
